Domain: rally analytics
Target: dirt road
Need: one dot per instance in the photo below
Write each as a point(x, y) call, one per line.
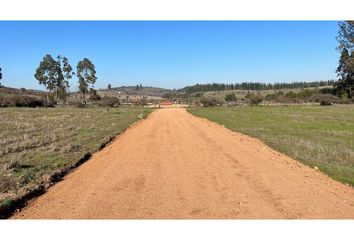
point(175, 165)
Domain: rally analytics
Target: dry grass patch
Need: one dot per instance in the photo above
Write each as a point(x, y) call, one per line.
point(34, 143)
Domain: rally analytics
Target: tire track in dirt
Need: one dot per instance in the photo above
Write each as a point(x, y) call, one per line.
point(175, 165)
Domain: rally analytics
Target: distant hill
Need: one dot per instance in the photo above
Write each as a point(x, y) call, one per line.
point(133, 91)
point(13, 97)
point(7, 91)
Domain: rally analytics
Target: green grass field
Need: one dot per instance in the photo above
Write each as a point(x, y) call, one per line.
point(315, 135)
point(36, 142)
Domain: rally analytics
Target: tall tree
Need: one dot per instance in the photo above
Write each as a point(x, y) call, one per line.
point(87, 75)
point(0, 76)
point(345, 68)
point(346, 35)
point(55, 75)
point(49, 73)
point(109, 87)
point(349, 82)
point(343, 64)
point(65, 76)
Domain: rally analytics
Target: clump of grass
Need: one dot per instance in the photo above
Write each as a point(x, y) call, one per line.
point(6, 202)
point(6, 184)
point(315, 135)
point(70, 148)
point(14, 164)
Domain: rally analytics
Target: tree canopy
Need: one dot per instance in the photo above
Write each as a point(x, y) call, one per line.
point(345, 69)
point(55, 75)
point(87, 76)
point(346, 35)
point(48, 73)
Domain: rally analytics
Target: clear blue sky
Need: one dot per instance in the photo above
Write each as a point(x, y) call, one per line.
point(173, 54)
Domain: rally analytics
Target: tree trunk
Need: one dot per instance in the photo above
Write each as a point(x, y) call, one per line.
point(47, 100)
point(83, 98)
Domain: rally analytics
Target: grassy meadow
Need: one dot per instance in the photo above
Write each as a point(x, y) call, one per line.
point(35, 142)
point(315, 135)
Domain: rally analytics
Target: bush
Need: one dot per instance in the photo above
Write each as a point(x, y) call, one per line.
point(24, 101)
point(210, 101)
point(253, 99)
point(231, 97)
point(6, 183)
point(328, 90)
point(94, 96)
point(142, 102)
point(109, 101)
point(325, 99)
point(292, 97)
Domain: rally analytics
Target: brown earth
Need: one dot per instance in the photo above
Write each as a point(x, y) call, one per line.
point(174, 165)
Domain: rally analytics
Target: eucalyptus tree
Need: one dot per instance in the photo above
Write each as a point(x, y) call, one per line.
point(0, 76)
point(67, 74)
point(345, 68)
point(86, 74)
point(55, 75)
point(49, 73)
point(345, 36)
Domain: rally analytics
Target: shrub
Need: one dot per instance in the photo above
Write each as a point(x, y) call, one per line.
point(231, 97)
point(109, 101)
point(6, 183)
point(328, 90)
point(271, 97)
point(24, 101)
point(325, 99)
point(94, 95)
point(210, 101)
point(142, 101)
point(253, 99)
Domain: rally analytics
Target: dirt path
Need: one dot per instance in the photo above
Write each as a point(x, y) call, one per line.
point(175, 165)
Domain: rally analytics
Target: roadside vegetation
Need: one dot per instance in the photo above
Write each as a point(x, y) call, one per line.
point(34, 143)
point(317, 136)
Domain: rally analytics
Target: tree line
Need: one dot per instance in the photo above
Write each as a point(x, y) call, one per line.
point(55, 75)
point(255, 86)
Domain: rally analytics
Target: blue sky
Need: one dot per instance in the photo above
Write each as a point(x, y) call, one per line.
point(173, 54)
